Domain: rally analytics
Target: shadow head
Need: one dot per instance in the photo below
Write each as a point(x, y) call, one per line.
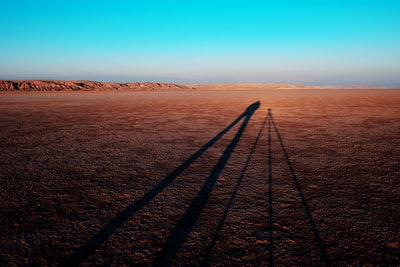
point(253, 107)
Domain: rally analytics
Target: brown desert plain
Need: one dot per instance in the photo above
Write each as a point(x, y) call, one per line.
point(200, 175)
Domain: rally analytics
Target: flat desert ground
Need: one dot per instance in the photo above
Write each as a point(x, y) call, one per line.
point(200, 177)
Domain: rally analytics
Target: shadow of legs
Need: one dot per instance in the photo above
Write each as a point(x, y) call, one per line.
point(101, 236)
point(270, 207)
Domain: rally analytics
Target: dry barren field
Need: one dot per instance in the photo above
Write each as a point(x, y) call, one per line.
point(189, 178)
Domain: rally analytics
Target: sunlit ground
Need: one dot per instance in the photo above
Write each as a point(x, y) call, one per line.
point(201, 177)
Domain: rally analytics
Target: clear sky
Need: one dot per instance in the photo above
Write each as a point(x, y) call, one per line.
point(202, 41)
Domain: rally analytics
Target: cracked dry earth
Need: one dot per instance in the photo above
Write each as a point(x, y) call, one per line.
point(209, 178)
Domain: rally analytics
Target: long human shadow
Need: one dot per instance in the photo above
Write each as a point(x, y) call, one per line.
point(183, 228)
point(81, 253)
point(323, 255)
point(270, 207)
point(232, 198)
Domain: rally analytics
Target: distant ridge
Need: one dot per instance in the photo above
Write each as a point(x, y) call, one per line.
point(266, 86)
point(50, 85)
point(60, 85)
point(248, 86)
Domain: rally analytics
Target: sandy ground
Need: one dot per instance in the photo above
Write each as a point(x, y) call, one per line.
point(200, 178)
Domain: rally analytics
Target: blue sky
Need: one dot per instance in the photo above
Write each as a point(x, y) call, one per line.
point(269, 41)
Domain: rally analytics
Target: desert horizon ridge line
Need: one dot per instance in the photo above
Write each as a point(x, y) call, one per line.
point(88, 85)
point(85, 85)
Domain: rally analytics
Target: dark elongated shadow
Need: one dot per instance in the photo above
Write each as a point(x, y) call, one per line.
point(229, 205)
point(186, 224)
point(323, 255)
point(101, 236)
point(270, 207)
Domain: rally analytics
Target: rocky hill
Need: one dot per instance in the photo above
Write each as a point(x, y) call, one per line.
point(50, 85)
point(54, 85)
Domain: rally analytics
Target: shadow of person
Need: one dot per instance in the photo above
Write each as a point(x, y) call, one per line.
point(88, 248)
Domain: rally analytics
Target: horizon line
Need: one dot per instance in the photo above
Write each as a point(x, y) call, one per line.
point(322, 85)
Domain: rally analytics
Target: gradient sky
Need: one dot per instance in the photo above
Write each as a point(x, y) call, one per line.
point(268, 41)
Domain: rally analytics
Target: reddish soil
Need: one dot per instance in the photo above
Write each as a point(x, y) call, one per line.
point(200, 178)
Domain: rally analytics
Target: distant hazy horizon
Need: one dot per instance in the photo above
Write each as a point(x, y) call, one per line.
point(311, 42)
